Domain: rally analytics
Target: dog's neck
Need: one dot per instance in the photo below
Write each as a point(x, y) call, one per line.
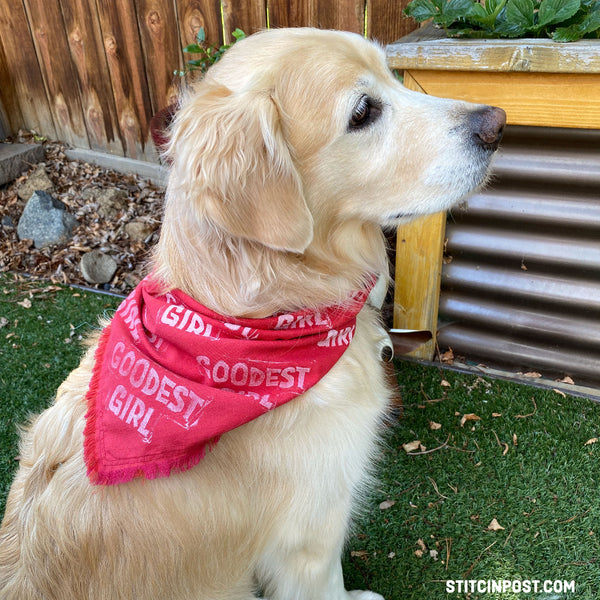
point(240, 278)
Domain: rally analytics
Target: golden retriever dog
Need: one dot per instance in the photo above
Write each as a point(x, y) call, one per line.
point(288, 158)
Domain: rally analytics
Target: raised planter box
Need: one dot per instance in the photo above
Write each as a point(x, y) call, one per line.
point(540, 83)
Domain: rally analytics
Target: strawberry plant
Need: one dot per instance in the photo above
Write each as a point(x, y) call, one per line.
point(561, 20)
point(209, 54)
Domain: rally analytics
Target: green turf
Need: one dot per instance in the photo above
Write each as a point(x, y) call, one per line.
point(525, 463)
point(39, 346)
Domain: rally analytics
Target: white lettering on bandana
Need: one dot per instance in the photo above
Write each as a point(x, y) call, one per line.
point(171, 376)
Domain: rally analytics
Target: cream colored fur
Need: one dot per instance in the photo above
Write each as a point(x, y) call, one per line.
point(273, 204)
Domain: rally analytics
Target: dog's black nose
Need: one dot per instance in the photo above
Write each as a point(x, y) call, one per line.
point(488, 126)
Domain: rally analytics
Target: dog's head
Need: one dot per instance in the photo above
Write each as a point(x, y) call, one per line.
point(296, 132)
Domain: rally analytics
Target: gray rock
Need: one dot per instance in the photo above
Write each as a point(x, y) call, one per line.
point(45, 220)
point(138, 230)
point(97, 267)
point(16, 158)
point(38, 180)
point(110, 201)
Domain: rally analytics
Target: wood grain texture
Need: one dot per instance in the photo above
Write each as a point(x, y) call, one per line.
point(22, 86)
point(419, 251)
point(194, 14)
point(11, 117)
point(292, 13)
point(59, 73)
point(411, 83)
point(89, 58)
point(428, 48)
point(124, 56)
point(386, 21)
point(541, 99)
point(250, 16)
point(161, 48)
point(346, 15)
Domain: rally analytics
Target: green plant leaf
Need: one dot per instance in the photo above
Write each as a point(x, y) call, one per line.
point(556, 11)
point(477, 11)
point(201, 36)
point(421, 10)
point(491, 6)
point(238, 34)
point(520, 12)
point(518, 19)
point(561, 19)
point(567, 34)
point(589, 24)
point(193, 49)
point(458, 9)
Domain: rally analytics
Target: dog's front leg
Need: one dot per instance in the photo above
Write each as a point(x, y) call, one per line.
point(306, 574)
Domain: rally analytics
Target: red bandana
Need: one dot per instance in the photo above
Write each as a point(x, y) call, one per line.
point(171, 376)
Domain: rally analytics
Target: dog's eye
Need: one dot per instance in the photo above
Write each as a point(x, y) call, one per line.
point(364, 113)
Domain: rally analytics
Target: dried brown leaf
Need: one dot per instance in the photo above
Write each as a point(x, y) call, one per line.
point(469, 417)
point(494, 526)
point(447, 357)
point(411, 446)
point(25, 303)
point(71, 179)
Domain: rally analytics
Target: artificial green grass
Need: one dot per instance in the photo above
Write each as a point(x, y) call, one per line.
point(42, 327)
point(525, 463)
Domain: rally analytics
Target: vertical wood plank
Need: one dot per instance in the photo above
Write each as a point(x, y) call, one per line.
point(123, 49)
point(419, 251)
point(88, 56)
point(292, 13)
point(194, 14)
point(346, 15)
point(250, 16)
point(386, 21)
point(161, 48)
point(60, 76)
point(5, 129)
point(10, 113)
point(23, 90)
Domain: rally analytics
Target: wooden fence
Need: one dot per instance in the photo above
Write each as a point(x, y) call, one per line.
point(91, 73)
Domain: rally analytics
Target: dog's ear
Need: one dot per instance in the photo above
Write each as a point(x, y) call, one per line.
point(231, 160)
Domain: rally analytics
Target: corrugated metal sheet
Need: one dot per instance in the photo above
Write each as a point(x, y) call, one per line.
point(521, 283)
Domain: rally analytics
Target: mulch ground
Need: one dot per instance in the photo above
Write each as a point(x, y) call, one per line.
point(60, 263)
